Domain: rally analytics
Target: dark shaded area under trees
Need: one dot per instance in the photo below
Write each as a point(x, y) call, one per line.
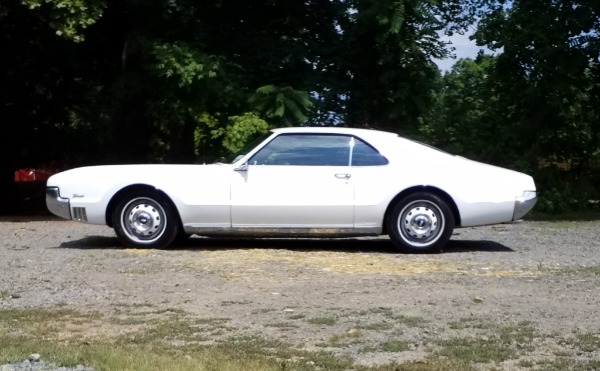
point(181, 81)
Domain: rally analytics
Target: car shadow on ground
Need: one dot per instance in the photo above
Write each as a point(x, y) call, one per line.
point(352, 245)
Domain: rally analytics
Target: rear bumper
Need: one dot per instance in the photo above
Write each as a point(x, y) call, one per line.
point(524, 204)
point(57, 205)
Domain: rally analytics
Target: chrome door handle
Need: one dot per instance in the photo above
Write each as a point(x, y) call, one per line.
point(343, 176)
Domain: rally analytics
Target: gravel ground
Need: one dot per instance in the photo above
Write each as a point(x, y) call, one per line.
point(317, 293)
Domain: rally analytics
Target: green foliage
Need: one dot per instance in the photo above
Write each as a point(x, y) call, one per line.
point(533, 107)
point(241, 129)
point(238, 131)
point(284, 106)
point(68, 17)
point(184, 63)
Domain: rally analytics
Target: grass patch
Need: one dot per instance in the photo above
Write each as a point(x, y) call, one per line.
point(179, 341)
point(137, 271)
point(395, 346)
point(470, 323)
point(377, 326)
point(508, 342)
point(226, 303)
point(593, 271)
point(585, 342)
point(170, 344)
point(323, 321)
point(351, 337)
point(4, 295)
point(410, 321)
point(263, 311)
point(281, 325)
point(562, 364)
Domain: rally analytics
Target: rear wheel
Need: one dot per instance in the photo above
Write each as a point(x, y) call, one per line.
point(145, 219)
point(420, 222)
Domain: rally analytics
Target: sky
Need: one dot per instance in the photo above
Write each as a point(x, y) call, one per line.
point(465, 48)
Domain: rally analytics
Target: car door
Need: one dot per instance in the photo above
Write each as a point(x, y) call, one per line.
point(295, 181)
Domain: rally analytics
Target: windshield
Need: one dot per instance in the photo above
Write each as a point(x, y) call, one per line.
point(247, 148)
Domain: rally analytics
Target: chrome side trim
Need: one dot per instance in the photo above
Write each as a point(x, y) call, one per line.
point(524, 204)
point(57, 205)
point(283, 232)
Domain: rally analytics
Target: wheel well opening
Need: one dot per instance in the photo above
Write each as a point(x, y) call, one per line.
point(436, 191)
point(135, 188)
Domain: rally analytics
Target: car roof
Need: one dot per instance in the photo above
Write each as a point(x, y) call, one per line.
point(363, 133)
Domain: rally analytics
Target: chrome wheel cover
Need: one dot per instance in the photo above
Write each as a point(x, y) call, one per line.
point(421, 223)
point(143, 220)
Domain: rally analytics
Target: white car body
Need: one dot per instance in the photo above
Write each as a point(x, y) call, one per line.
point(280, 199)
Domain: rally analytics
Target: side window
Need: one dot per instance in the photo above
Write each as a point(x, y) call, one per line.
point(305, 150)
point(365, 155)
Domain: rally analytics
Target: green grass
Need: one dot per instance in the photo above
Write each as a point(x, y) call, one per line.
point(351, 337)
point(465, 323)
point(138, 271)
point(503, 343)
point(376, 326)
point(388, 313)
point(176, 340)
point(281, 325)
point(395, 346)
point(593, 271)
point(588, 342)
point(323, 321)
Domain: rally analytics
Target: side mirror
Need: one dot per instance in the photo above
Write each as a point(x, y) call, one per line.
point(242, 167)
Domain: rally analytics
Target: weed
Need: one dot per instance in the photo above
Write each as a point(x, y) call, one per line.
point(409, 321)
point(377, 326)
point(263, 311)
point(136, 271)
point(586, 342)
point(325, 320)
point(395, 346)
point(593, 271)
point(508, 343)
point(473, 323)
point(351, 337)
point(282, 325)
point(235, 302)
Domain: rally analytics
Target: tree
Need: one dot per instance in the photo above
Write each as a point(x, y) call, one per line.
point(39, 83)
point(545, 86)
point(112, 81)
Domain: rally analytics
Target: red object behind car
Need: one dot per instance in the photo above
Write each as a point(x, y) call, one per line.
point(32, 175)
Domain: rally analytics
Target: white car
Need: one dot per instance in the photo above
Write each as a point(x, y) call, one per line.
point(301, 182)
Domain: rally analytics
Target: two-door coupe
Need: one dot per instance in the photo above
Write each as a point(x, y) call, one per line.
point(301, 182)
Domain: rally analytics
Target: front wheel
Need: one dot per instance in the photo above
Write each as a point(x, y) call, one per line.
point(420, 222)
point(145, 219)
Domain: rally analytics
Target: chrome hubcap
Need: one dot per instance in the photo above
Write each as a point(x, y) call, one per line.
point(143, 219)
point(419, 222)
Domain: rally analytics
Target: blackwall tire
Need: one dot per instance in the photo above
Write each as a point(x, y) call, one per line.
point(145, 219)
point(420, 222)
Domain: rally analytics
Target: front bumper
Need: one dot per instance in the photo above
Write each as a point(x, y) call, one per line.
point(57, 205)
point(524, 204)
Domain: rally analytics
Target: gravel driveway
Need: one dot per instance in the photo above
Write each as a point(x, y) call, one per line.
point(318, 293)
